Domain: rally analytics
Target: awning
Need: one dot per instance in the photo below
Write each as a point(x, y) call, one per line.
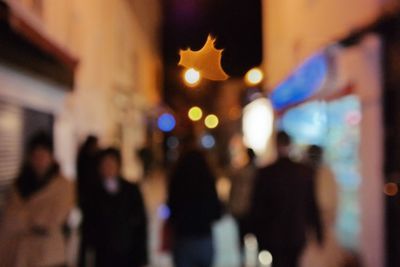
point(302, 84)
point(22, 28)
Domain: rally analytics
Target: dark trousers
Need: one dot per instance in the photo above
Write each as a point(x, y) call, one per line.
point(244, 229)
point(193, 252)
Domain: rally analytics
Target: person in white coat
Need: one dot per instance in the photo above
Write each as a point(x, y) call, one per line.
point(31, 233)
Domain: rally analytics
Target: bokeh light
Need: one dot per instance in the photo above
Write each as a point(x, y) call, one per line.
point(211, 121)
point(254, 76)
point(166, 122)
point(173, 142)
point(195, 114)
point(265, 258)
point(164, 212)
point(258, 125)
point(191, 77)
point(391, 189)
point(208, 141)
point(250, 241)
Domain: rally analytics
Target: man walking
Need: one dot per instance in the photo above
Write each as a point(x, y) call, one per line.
point(284, 207)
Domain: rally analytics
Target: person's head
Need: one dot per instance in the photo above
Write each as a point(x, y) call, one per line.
point(40, 154)
point(251, 155)
point(283, 143)
point(110, 163)
point(315, 154)
point(91, 143)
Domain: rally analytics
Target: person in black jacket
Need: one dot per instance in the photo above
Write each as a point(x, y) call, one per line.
point(194, 206)
point(86, 182)
point(284, 207)
point(120, 221)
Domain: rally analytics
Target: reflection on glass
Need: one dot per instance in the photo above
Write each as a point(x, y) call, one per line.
point(334, 126)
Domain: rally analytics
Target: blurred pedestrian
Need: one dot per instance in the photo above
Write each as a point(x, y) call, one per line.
point(194, 206)
point(86, 168)
point(145, 154)
point(241, 192)
point(86, 182)
point(119, 217)
point(325, 184)
point(284, 207)
point(31, 233)
point(331, 255)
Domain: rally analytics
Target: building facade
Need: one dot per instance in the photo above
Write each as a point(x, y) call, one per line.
point(107, 55)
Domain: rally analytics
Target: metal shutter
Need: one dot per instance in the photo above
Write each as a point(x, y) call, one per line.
point(10, 145)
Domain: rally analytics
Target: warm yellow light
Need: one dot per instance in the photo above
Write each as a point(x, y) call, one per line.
point(191, 77)
point(254, 76)
point(211, 121)
point(195, 114)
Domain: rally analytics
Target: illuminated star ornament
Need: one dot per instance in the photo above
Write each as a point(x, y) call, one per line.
point(207, 61)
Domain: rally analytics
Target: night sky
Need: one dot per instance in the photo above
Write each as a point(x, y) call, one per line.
point(235, 23)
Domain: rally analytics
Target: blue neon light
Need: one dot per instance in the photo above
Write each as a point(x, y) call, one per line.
point(164, 212)
point(302, 84)
point(166, 122)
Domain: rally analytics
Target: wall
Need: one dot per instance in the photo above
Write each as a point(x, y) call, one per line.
point(362, 66)
point(293, 30)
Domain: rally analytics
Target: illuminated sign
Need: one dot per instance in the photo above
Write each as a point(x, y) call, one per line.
point(302, 84)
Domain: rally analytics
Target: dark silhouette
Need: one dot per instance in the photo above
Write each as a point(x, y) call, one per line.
point(327, 198)
point(31, 231)
point(86, 182)
point(86, 168)
point(241, 193)
point(119, 218)
point(284, 207)
point(194, 206)
point(145, 154)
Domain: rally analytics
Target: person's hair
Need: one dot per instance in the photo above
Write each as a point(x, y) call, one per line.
point(283, 139)
point(110, 152)
point(315, 150)
point(315, 153)
point(91, 140)
point(40, 140)
point(26, 182)
point(250, 154)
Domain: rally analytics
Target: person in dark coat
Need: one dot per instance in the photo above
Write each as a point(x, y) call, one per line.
point(86, 168)
point(86, 182)
point(284, 207)
point(119, 217)
point(194, 206)
point(241, 192)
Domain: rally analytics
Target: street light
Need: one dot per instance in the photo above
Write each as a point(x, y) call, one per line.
point(258, 118)
point(191, 77)
point(254, 76)
point(195, 113)
point(211, 121)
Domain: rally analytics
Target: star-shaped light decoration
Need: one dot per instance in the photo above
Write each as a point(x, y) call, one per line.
point(207, 61)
